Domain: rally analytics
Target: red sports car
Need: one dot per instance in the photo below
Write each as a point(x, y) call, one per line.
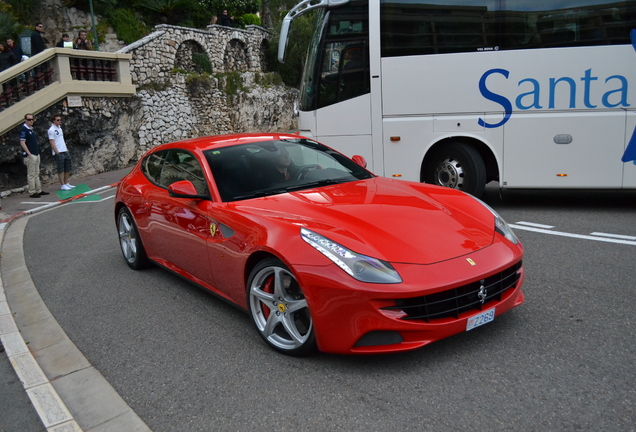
point(319, 251)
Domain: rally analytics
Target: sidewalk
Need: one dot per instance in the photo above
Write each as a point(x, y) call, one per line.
point(50, 386)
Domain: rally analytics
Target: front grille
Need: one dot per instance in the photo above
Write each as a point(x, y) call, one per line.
point(453, 302)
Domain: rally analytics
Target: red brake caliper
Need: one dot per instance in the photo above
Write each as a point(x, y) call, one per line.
point(268, 287)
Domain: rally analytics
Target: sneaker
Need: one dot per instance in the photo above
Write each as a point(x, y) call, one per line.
point(43, 193)
point(70, 186)
point(35, 195)
point(65, 187)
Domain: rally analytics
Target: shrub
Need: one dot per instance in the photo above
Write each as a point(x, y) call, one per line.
point(249, 19)
point(202, 62)
point(127, 25)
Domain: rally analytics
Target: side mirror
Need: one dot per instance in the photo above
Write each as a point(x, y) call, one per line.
point(360, 160)
point(185, 189)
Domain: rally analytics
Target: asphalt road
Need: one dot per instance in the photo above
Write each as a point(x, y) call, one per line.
point(184, 360)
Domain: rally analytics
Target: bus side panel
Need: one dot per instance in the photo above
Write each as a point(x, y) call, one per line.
point(407, 140)
point(629, 168)
point(564, 150)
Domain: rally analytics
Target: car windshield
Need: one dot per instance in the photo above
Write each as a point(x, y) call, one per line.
point(273, 167)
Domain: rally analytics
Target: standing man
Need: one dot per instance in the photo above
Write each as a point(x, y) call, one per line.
point(31, 153)
point(58, 145)
point(226, 20)
point(37, 43)
point(81, 43)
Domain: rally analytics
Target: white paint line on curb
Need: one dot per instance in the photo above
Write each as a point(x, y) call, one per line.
point(50, 408)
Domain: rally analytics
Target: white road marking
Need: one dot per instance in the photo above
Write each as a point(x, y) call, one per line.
point(89, 201)
point(536, 225)
point(579, 236)
point(618, 236)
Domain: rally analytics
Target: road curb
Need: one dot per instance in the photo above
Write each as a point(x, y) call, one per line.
point(61, 372)
point(47, 403)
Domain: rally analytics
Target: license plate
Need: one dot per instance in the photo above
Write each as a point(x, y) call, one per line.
point(480, 319)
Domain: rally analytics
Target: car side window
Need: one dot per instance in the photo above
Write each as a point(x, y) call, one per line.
point(182, 165)
point(152, 166)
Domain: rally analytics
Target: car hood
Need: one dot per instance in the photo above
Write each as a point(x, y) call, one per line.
point(393, 220)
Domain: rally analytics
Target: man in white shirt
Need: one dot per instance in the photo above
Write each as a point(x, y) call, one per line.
point(56, 138)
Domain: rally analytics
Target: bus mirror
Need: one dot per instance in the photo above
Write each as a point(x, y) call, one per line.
point(284, 34)
point(300, 9)
point(360, 160)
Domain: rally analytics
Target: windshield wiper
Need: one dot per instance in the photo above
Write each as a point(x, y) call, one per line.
point(257, 194)
point(317, 183)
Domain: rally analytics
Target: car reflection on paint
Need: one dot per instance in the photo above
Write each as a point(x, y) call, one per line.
point(320, 252)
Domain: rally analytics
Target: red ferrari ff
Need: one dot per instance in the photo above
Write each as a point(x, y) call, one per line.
point(319, 251)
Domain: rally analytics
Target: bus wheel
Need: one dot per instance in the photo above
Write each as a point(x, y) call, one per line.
point(458, 166)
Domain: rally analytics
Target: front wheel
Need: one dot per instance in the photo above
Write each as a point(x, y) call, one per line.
point(279, 309)
point(458, 166)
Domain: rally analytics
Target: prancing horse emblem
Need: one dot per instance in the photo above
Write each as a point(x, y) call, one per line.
point(482, 293)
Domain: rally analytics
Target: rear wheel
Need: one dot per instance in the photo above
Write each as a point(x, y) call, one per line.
point(458, 166)
point(279, 309)
point(129, 241)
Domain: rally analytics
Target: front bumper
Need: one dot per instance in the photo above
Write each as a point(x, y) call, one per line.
point(352, 317)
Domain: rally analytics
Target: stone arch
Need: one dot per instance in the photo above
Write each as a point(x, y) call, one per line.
point(264, 55)
point(191, 57)
point(235, 58)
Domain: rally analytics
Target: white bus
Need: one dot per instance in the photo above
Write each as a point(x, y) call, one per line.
point(528, 93)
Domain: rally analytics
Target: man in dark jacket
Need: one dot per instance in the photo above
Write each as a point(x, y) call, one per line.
point(31, 154)
point(37, 43)
point(7, 59)
point(15, 48)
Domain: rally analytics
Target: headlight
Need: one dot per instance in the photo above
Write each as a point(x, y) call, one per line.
point(504, 229)
point(500, 225)
point(360, 267)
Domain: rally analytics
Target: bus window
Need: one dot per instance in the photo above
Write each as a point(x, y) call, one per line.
point(449, 26)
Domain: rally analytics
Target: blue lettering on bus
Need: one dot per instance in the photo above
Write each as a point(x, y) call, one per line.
point(615, 96)
point(501, 100)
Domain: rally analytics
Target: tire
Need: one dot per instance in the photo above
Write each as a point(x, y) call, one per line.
point(458, 166)
point(279, 309)
point(129, 241)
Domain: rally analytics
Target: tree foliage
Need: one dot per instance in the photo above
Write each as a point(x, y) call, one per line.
point(297, 44)
point(9, 25)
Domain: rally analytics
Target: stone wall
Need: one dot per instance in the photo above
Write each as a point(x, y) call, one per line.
point(227, 49)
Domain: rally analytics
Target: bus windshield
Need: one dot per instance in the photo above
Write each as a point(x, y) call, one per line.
point(337, 62)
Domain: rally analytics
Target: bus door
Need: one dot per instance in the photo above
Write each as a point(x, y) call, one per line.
point(344, 113)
